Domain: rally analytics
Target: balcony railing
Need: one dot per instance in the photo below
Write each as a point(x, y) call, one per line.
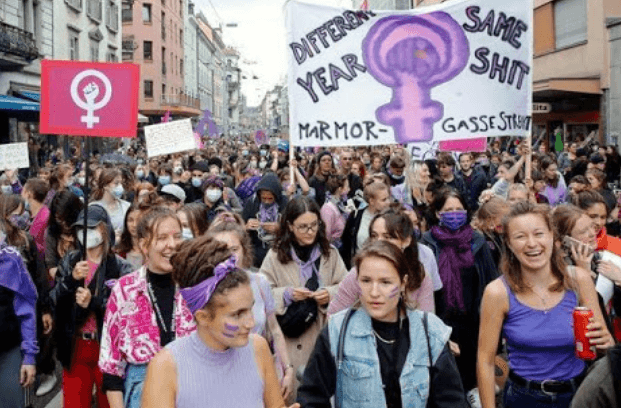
point(181, 100)
point(14, 40)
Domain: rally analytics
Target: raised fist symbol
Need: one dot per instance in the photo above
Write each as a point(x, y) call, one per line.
point(91, 92)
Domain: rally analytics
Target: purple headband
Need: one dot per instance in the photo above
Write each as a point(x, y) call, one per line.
point(197, 296)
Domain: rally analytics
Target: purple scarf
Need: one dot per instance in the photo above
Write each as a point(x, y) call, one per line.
point(307, 268)
point(268, 213)
point(455, 254)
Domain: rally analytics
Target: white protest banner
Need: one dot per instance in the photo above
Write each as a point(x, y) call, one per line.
point(170, 137)
point(14, 156)
point(456, 70)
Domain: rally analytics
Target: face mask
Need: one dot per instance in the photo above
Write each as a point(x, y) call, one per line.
point(367, 162)
point(417, 234)
point(453, 220)
point(253, 163)
point(140, 174)
point(286, 185)
point(178, 170)
point(93, 238)
point(21, 222)
point(262, 164)
point(164, 180)
point(484, 162)
point(245, 152)
point(70, 182)
point(6, 189)
point(213, 195)
point(197, 181)
point(26, 205)
point(117, 191)
point(187, 234)
point(81, 181)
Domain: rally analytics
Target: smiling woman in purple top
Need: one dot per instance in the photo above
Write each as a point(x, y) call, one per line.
point(222, 364)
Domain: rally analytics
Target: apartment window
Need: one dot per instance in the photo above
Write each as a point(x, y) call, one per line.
point(74, 45)
point(93, 9)
point(181, 38)
point(164, 3)
point(128, 50)
point(570, 22)
point(75, 4)
point(163, 61)
point(163, 25)
point(146, 13)
point(127, 12)
point(181, 8)
point(181, 67)
point(148, 89)
point(94, 49)
point(112, 15)
point(147, 49)
point(163, 89)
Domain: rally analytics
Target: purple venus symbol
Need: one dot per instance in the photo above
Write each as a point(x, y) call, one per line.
point(260, 138)
point(411, 55)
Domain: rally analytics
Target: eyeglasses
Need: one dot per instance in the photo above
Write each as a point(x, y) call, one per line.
point(306, 228)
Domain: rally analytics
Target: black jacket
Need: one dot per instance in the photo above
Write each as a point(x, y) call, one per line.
point(475, 184)
point(349, 237)
point(270, 183)
point(69, 317)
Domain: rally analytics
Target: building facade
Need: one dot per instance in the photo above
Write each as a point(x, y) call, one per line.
point(232, 92)
point(154, 37)
point(26, 37)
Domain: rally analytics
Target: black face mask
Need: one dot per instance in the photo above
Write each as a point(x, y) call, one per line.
point(417, 234)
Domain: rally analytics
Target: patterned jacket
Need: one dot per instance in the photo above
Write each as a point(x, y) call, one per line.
point(130, 332)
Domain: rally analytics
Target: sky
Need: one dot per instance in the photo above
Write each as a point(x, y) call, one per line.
point(260, 37)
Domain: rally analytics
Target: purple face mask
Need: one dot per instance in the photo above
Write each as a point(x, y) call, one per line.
point(453, 220)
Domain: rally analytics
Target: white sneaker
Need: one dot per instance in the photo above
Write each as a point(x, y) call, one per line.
point(473, 398)
point(48, 382)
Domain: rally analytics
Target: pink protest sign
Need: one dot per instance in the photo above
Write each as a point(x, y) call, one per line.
point(466, 145)
point(89, 99)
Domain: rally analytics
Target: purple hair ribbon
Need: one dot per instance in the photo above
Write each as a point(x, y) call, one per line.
point(198, 295)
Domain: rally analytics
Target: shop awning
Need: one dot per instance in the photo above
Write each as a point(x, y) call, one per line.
point(142, 119)
point(31, 95)
point(12, 103)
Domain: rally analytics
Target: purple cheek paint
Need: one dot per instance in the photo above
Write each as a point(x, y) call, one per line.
point(230, 328)
point(394, 292)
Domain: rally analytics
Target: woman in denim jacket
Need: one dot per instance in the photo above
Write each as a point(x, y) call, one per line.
point(386, 359)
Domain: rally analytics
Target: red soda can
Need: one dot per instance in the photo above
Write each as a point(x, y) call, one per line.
point(584, 350)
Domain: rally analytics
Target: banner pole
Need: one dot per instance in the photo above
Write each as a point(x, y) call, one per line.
point(87, 190)
point(291, 157)
point(529, 156)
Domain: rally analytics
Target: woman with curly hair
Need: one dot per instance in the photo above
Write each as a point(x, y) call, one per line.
point(222, 364)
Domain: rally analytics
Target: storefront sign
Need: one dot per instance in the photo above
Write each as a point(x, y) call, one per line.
point(541, 108)
point(89, 99)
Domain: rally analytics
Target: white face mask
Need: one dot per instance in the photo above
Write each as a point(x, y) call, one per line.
point(93, 238)
point(213, 195)
point(187, 234)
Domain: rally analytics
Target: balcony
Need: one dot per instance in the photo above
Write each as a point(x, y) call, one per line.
point(181, 100)
point(16, 42)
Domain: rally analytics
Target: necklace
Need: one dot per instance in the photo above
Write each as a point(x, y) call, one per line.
point(158, 312)
point(543, 301)
point(383, 340)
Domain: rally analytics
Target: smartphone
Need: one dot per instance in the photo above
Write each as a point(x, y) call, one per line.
point(569, 242)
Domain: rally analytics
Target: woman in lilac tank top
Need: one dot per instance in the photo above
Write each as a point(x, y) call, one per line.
point(532, 306)
point(222, 364)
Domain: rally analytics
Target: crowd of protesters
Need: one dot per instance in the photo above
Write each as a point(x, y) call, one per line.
point(255, 276)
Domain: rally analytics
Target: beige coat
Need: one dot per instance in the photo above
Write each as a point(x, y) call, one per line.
point(331, 270)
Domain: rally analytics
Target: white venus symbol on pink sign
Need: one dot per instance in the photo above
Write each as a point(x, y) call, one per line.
point(90, 92)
